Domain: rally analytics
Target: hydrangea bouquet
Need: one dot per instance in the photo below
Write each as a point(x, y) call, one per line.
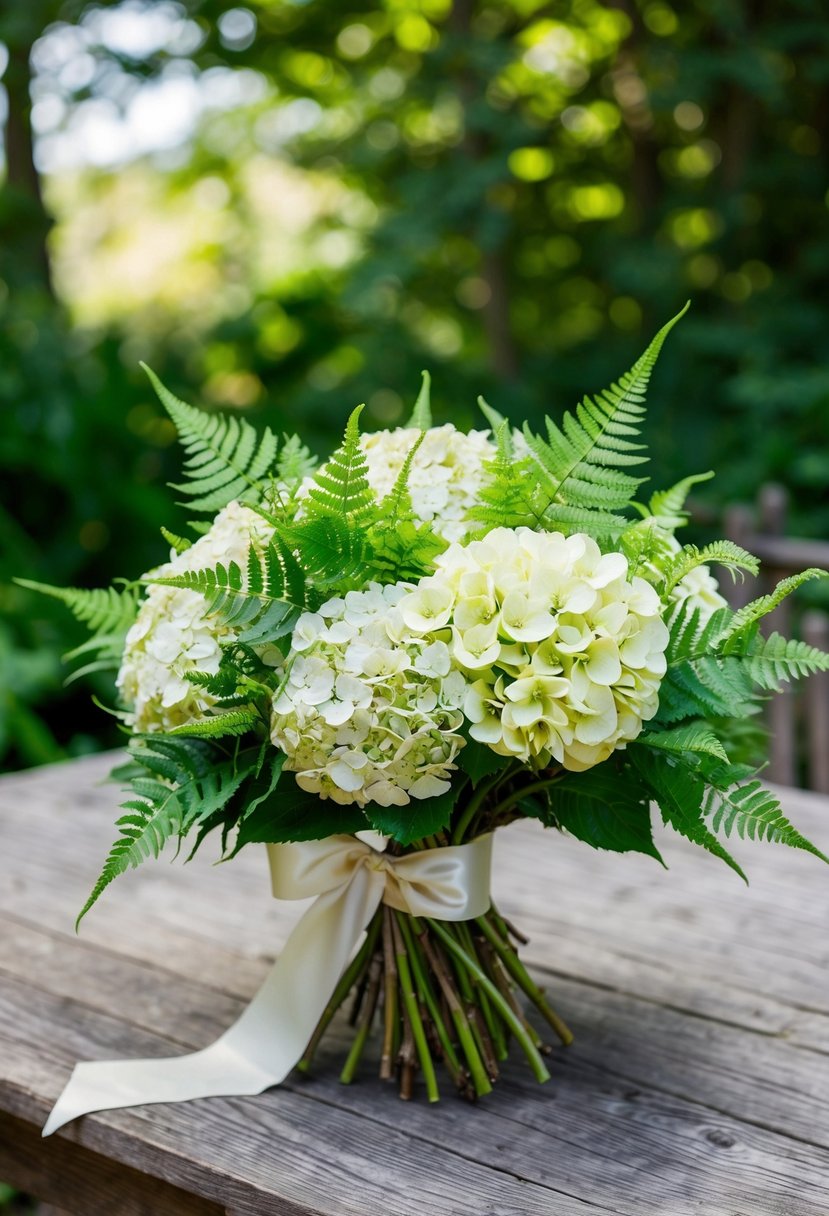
point(426, 637)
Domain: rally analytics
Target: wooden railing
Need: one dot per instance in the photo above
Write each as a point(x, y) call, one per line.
point(798, 719)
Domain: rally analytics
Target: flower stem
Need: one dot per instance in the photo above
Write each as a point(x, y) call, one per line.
point(519, 973)
point(473, 806)
point(410, 1001)
point(389, 998)
point(349, 977)
point(530, 1050)
point(480, 1080)
point(367, 1017)
point(426, 992)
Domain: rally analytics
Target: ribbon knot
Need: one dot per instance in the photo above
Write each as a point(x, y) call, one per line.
point(350, 880)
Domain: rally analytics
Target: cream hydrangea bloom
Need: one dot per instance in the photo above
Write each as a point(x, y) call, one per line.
point(446, 476)
point(172, 635)
point(368, 711)
point(564, 655)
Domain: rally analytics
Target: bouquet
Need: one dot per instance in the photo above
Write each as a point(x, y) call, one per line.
point(374, 663)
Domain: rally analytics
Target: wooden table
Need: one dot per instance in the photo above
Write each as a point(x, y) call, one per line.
point(698, 1083)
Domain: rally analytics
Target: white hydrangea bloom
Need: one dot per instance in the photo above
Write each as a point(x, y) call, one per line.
point(368, 711)
point(446, 474)
point(172, 634)
point(564, 655)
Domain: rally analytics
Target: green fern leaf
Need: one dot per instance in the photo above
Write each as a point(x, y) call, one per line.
point(695, 737)
point(680, 795)
point(332, 550)
point(106, 612)
point(177, 543)
point(495, 420)
point(185, 785)
point(341, 487)
point(744, 623)
point(263, 605)
point(755, 813)
point(724, 552)
point(771, 660)
point(294, 463)
point(422, 412)
point(226, 458)
point(219, 726)
point(509, 496)
point(581, 461)
point(667, 507)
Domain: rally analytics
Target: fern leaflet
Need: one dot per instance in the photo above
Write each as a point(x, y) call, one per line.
point(226, 457)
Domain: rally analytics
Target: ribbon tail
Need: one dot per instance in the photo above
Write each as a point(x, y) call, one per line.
point(267, 1040)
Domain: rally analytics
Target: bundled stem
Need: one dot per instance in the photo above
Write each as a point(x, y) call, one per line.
point(447, 995)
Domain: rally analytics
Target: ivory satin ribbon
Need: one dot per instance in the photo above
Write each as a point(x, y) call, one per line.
point(350, 880)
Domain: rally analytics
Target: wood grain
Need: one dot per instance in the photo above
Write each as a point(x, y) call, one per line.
point(699, 1082)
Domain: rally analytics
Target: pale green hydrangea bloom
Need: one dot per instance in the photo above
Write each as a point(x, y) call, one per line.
point(564, 655)
point(172, 634)
point(368, 711)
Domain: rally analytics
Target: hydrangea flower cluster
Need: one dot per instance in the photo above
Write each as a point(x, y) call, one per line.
point(172, 633)
point(368, 710)
point(446, 476)
point(564, 655)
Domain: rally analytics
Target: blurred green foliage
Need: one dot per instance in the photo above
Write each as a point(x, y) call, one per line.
point(514, 195)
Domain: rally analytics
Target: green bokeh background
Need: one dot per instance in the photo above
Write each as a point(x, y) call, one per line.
point(514, 195)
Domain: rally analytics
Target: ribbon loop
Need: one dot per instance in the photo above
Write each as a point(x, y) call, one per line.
point(350, 880)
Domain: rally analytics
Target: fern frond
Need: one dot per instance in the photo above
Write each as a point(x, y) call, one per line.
point(226, 457)
point(422, 412)
point(495, 420)
point(219, 726)
point(178, 543)
point(332, 550)
point(679, 792)
point(581, 461)
point(723, 552)
point(755, 813)
point(106, 612)
point(695, 737)
point(508, 497)
point(294, 463)
point(772, 660)
point(744, 622)
point(102, 609)
point(263, 604)
point(667, 507)
point(185, 785)
point(341, 487)
point(399, 547)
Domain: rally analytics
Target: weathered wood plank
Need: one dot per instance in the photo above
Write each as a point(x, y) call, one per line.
point(708, 1095)
point(85, 1183)
point(560, 1134)
point(280, 1148)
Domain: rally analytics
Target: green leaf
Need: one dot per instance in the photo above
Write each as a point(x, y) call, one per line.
point(225, 457)
point(292, 813)
point(667, 507)
point(235, 722)
point(744, 623)
point(181, 784)
point(106, 612)
point(694, 737)
point(263, 604)
point(510, 496)
point(771, 660)
point(582, 461)
point(479, 761)
point(332, 551)
point(606, 811)
point(680, 794)
point(340, 486)
point(422, 412)
point(419, 818)
point(495, 420)
point(724, 552)
point(755, 813)
point(178, 543)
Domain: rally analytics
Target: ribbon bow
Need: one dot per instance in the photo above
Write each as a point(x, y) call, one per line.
point(350, 879)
